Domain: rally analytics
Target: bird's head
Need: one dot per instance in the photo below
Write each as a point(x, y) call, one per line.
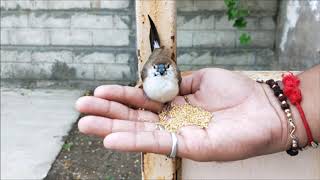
point(162, 69)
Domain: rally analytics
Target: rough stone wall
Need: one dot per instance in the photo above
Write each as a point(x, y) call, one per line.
point(88, 42)
point(76, 42)
point(206, 38)
point(298, 41)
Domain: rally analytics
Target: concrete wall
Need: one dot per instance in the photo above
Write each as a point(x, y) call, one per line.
point(89, 42)
point(298, 41)
point(84, 42)
point(207, 38)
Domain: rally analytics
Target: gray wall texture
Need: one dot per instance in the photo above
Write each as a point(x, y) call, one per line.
point(298, 35)
point(89, 42)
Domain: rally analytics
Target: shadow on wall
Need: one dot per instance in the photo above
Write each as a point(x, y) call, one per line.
point(61, 71)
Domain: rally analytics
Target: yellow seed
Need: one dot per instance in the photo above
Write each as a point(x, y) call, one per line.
point(184, 115)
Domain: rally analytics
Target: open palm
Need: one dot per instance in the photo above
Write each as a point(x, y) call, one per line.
point(244, 123)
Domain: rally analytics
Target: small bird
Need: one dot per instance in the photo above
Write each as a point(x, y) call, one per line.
point(160, 75)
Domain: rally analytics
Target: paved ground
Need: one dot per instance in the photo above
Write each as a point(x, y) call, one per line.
point(40, 139)
point(84, 157)
point(33, 124)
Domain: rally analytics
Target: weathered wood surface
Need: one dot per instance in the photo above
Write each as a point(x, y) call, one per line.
point(163, 14)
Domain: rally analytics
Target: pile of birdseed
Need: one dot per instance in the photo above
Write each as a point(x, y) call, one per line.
point(184, 115)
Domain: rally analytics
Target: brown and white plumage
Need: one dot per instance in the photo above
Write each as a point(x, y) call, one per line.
point(160, 74)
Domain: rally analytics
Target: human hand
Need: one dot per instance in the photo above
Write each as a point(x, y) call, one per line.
point(245, 123)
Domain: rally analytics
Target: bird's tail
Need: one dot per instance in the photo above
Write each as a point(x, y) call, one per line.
point(153, 36)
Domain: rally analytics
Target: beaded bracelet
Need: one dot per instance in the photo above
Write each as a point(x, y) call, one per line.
point(294, 150)
point(292, 90)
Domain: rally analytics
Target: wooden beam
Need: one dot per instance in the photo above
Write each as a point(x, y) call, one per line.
point(163, 13)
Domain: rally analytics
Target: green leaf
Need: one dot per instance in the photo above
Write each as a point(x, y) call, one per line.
point(232, 14)
point(240, 23)
point(67, 146)
point(243, 13)
point(109, 178)
point(245, 39)
point(230, 3)
point(237, 14)
point(226, 2)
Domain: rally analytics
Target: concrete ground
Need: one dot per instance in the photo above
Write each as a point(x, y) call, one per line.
point(33, 125)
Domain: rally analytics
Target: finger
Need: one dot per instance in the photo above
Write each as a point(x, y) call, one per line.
point(194, 100)
point(127, 95)
point(190, 99)
point(191, 83)
point(159, 142)
point(101, 126)
point(101, 107)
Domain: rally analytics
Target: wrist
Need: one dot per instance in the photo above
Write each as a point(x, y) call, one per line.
point(285, 141)
point(310, 88)
point(300, 132)
point(300, 129)
point(310, 104)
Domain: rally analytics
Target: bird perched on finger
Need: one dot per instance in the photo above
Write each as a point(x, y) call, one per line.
point(160, 74)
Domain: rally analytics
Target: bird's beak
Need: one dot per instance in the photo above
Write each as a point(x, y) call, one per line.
point(162, 71)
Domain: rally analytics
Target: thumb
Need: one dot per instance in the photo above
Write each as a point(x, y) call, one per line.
point(191, 83)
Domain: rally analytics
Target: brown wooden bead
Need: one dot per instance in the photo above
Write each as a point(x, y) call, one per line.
point(276, 88)
point(293, 152)
point(285, 106)
point(277, 91)
point(282, 97)
point(270, 82)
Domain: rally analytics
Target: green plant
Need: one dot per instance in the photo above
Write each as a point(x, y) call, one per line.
point(67, 146)
point(109, 178)
point(237, 14)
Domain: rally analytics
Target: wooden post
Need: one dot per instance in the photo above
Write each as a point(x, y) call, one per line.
point(163, 14)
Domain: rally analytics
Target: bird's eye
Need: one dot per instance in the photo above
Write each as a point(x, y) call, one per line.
point(168, 66)
point(154, 66)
